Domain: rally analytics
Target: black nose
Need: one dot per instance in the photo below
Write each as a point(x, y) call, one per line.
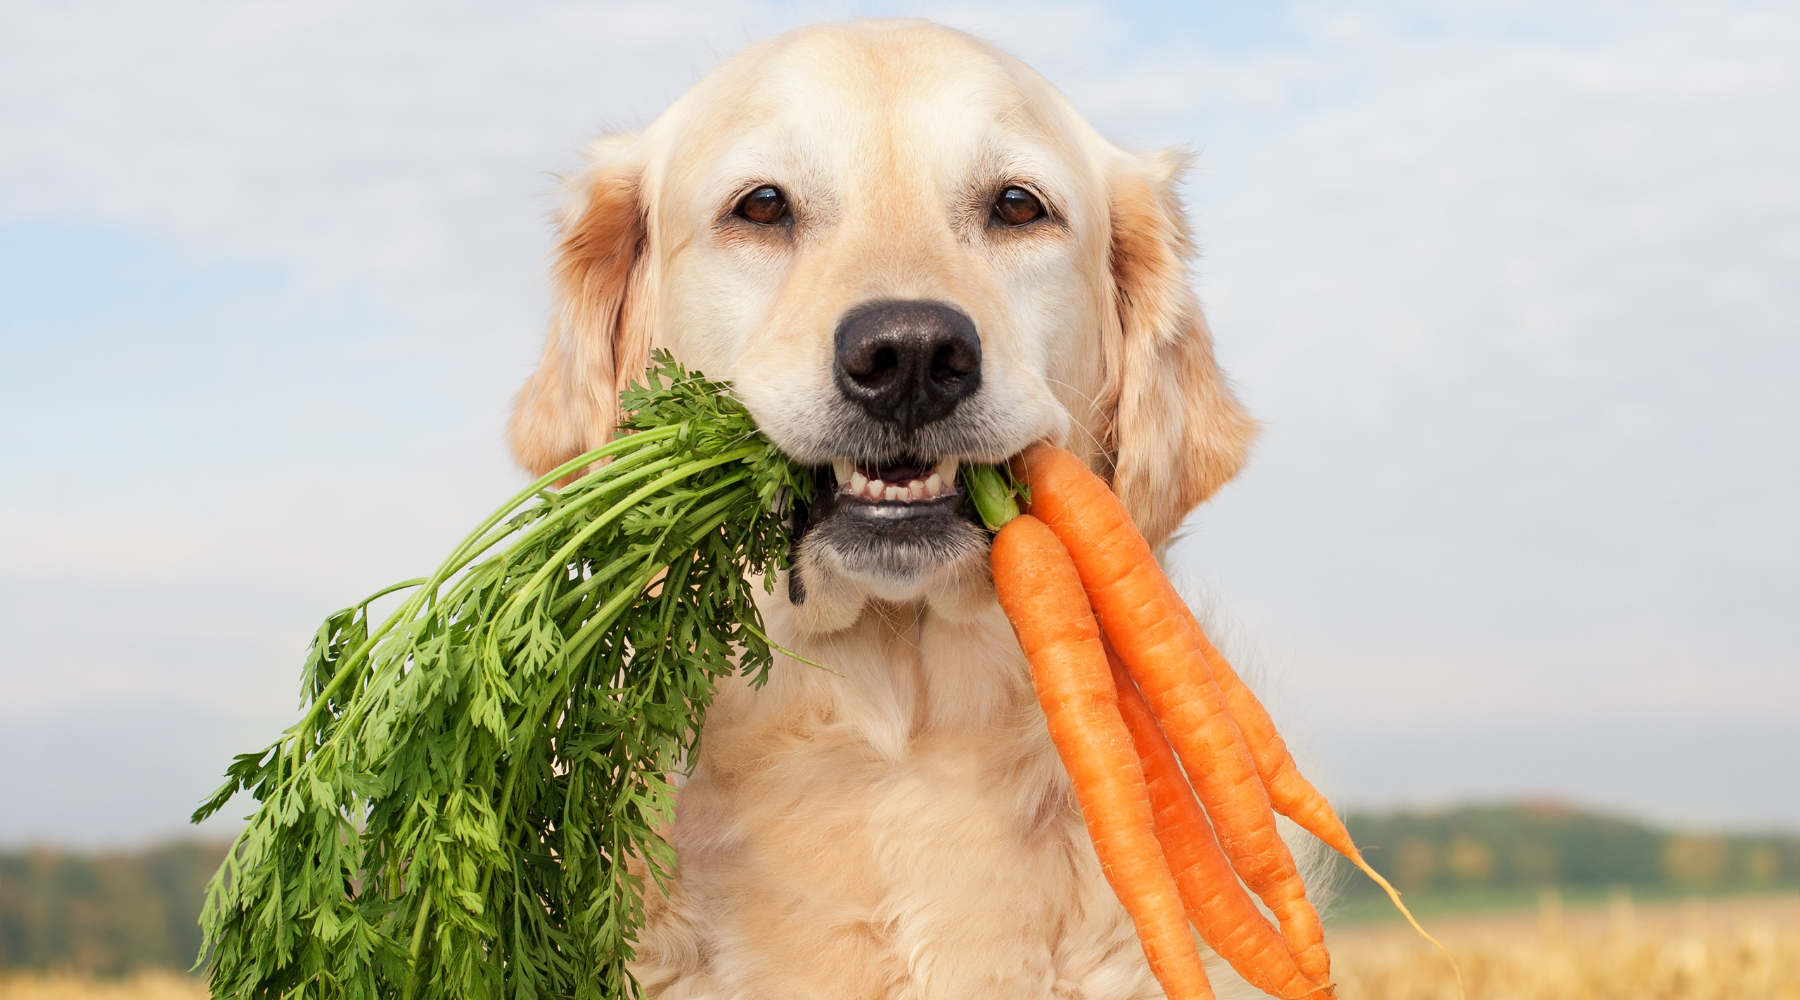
point(907, 363)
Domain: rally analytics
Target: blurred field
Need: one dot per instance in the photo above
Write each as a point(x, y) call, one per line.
point(1744, 948)
point(144, 986)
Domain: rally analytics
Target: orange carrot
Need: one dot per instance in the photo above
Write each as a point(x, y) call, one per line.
point(1138, 609)
point(1221, 911)
point(1289, 792)
point(1042, 596)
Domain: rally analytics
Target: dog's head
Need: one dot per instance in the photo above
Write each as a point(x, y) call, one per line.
point(905, 249)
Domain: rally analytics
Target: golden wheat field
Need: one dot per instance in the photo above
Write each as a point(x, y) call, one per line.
point(1740, 949)
point(145, 986)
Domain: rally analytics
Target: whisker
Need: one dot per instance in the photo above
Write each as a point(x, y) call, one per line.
point(1015, 108)
point(1092, 403)
point(1085, 397)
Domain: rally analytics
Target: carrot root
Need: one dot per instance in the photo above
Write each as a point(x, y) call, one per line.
point(1393, 894)
point(1041, 592)
point(1224, 737)
point(1218, 906)
point(1291, 794)
point(1139, 610)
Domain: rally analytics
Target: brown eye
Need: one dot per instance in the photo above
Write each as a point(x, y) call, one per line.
point(764, 206)
point(1017, 206)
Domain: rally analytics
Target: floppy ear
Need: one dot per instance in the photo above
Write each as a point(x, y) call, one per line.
point(1177, 433)
point(598, 339)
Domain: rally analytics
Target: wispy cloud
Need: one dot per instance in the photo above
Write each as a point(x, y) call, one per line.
point(1512, 288)
point(1521, 315)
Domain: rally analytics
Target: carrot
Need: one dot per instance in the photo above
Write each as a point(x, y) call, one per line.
point(1042, 596)
point(1289, 792)
point(1218, 906)
point(1141, 614)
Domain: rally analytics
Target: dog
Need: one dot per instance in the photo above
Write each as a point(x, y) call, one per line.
point(905, 249)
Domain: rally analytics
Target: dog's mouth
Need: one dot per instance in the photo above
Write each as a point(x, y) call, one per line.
point(905, 482)
point(893, 523)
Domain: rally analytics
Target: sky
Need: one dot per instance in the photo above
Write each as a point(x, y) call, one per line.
point(1515, 293)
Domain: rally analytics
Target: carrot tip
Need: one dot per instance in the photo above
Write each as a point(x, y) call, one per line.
point(1394, 895)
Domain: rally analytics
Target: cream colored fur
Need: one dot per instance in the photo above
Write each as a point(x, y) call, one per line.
point(899, 827)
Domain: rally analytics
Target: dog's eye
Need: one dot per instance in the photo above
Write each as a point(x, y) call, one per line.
point(1017, 206)
point(764, 206)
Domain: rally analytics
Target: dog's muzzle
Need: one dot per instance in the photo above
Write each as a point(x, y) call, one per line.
point(890, 509)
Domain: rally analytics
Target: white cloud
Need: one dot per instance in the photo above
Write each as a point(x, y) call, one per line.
point(404, 145)
point(205, 590)
point(1522, 319)
point(395, 153)
point(1514, 291)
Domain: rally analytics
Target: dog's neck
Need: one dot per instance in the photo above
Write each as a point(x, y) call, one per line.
point(830, 601)
point(901, 671)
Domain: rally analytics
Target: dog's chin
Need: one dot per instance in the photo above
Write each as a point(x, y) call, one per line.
point(896, 539)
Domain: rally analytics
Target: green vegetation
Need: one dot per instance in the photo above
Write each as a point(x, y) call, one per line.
point(110, 913)
point(104, 914)
point(454, 814)
point(1501, 856)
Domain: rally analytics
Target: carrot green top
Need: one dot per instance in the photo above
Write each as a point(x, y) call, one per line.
point(452, 813)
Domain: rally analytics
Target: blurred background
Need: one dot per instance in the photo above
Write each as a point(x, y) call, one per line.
point(1514, 287)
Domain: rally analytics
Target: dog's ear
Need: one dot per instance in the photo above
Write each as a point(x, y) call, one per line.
point(598, 340)
point(1176, 433)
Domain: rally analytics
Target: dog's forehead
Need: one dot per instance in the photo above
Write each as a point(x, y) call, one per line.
point(895, 99)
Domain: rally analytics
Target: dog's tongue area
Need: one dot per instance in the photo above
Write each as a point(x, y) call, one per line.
point(908, 479)
point(905, 471)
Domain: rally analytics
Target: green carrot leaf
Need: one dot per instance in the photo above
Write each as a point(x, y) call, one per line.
point(460, 808)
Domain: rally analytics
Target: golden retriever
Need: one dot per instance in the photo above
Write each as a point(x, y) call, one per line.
point(904, 248)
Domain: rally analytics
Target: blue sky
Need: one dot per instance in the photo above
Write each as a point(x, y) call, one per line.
point(1516, 293)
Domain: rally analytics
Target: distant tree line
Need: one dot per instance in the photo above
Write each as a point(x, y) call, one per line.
point(109, 913)
point(104, 913)
point(1540, 845)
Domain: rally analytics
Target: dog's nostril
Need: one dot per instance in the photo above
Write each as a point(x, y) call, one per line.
point(871, 367)
point(908, 363)
point(885, 363)
point(952, 360)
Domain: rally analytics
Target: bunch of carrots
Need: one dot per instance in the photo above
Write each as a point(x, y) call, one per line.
point(1139, 702)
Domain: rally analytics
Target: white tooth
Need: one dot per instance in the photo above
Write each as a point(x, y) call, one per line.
point(896, 493)
point(915, 490)
point(858, 482)
point(946, 469)
point(877, 489)
point(844, 469)
point(934, 486)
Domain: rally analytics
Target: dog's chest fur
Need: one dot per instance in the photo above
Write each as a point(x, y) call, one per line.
point(900, 828)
